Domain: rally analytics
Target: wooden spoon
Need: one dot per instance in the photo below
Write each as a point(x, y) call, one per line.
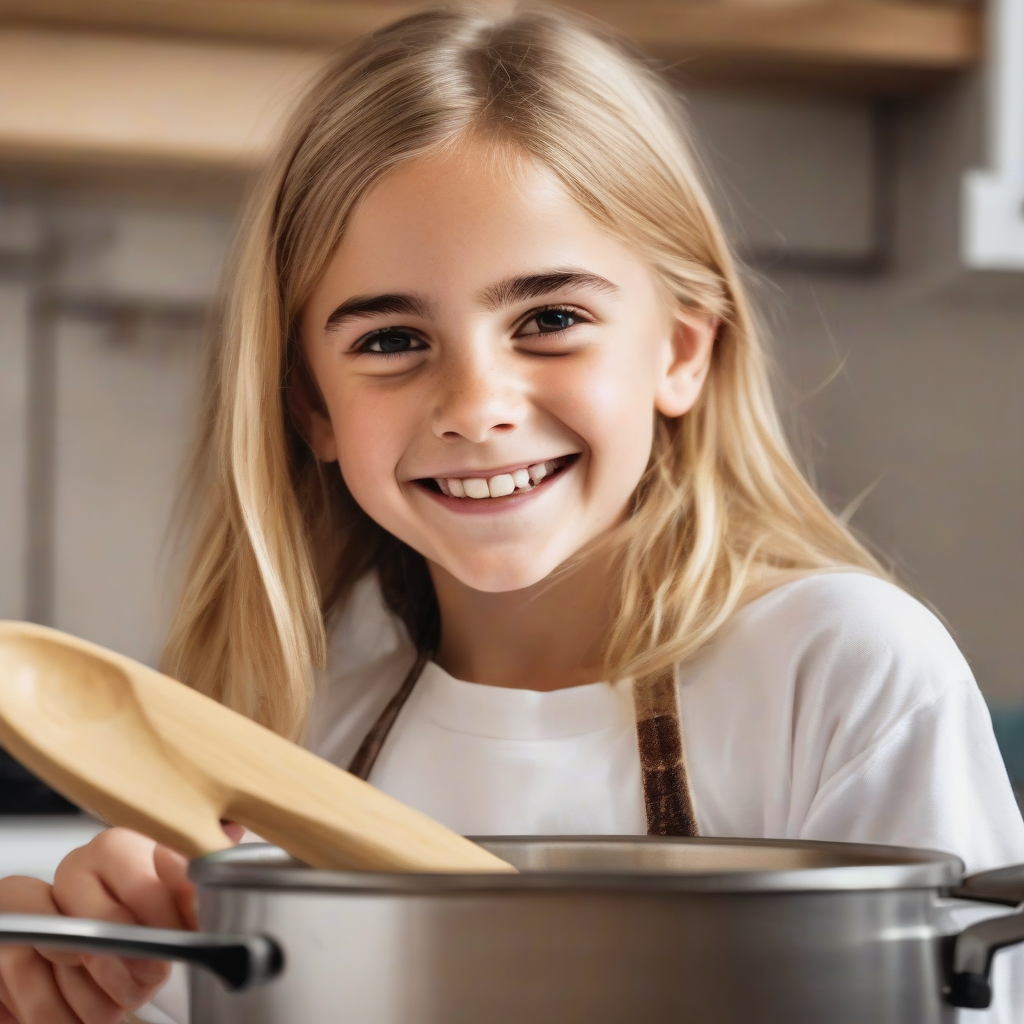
point(142, 750)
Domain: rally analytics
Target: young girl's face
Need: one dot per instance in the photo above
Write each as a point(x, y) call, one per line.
point(491, 361)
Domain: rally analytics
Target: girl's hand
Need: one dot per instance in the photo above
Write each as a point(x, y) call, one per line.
point(120, 876)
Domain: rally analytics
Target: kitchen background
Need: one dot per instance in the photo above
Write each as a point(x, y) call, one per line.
point(870, 161)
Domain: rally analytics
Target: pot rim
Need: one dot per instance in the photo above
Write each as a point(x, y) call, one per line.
point(843, 867)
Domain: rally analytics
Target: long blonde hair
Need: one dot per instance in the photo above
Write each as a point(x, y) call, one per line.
point(278, 540)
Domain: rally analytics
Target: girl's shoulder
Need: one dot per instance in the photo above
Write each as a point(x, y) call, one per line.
point(835, 645)
point(851, 620)
point(850, 596)
point(838, 707)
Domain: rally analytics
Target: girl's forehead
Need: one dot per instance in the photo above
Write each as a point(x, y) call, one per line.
point(459, 220)
point(471, 160)
point(471, 184)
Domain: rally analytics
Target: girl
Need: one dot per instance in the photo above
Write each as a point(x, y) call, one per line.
point(489, 434)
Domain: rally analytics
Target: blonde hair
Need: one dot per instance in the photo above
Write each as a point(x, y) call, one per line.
point(279, 541)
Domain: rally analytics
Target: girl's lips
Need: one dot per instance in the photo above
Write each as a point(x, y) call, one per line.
point(499, 492)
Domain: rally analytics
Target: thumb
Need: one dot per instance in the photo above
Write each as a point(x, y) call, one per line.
point(233, 831)
point(172, 870)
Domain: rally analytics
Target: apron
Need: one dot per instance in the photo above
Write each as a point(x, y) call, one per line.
point(667, 800)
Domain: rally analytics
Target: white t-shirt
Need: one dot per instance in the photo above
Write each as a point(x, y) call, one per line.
point(835, 707)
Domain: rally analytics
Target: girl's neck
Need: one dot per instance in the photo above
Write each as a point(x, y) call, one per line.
point(545, 637)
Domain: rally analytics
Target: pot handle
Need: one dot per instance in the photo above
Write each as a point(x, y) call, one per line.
point(975, 946)
point(1004, 885)
point(238, 960)
point(973, 950)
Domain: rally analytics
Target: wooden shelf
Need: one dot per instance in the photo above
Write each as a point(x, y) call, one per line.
point(180, 86)
point(871, 46)
point(102, 98)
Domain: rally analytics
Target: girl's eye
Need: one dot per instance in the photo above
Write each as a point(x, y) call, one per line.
point(551, 321)
point(391, 342)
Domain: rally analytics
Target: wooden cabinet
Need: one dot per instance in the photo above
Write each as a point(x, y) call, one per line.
point(210, 79)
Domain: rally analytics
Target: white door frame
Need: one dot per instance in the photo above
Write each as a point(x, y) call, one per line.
point(992, 235)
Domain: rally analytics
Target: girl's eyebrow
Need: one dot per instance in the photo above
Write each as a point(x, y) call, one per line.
point(373, 305)
point(495, 296)
point(530, 286)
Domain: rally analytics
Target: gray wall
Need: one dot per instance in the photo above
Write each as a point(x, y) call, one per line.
point(905, 389)
point(923, 420)
point(900, 375)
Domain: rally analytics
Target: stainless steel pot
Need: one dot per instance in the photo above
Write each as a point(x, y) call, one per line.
point(602, 930)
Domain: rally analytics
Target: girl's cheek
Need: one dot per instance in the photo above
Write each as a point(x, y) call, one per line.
point(367, 431)
point(612, 409)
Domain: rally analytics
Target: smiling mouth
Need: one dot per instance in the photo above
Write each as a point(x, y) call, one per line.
point(502, 485)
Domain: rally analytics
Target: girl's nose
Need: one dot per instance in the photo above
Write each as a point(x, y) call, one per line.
point(478, 401)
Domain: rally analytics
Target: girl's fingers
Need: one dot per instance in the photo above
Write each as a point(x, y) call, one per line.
point(44, 986)
point(233, 830)
point(127, 981)
point(6, 1003)
point(30, 991)
point(81, 893)
point(114, 878)
point(122, 861)
point(91, 1004)
point(172, 869)
point(159, 898)
point(22, 895)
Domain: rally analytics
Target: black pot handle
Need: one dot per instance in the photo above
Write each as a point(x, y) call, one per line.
point(974, 947)
point(238, 960)
point(973, 950)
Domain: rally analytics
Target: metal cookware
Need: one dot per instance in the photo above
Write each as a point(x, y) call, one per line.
point(602, 930)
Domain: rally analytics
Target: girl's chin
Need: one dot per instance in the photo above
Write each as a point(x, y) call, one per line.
point(499, 579)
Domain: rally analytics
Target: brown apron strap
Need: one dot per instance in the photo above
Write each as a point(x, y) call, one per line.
point(366, 755)
point(659, 735)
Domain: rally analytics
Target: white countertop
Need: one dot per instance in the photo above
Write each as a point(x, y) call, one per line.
point(35, 844)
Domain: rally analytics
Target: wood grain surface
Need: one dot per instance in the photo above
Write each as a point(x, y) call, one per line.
point(141, 750)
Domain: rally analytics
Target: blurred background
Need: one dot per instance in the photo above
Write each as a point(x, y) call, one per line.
point(868, 156)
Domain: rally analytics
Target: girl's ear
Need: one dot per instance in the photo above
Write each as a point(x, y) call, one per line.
point(686, 358)
point(309, 413)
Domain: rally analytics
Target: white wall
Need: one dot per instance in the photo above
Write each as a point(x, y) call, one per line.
point(124, 289)
point(125, 407)
point(926, 409)
point(14, 326)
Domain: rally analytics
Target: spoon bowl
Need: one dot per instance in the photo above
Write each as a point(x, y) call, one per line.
point(73, 719)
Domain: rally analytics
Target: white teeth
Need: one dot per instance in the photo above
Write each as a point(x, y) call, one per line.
point(500, 485)
point(476, 488)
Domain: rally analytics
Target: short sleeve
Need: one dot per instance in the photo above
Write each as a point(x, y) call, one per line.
point(839, 708)
point(934, 779)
